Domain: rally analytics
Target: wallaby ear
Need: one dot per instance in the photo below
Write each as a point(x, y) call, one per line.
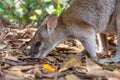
point(52, 23)
point(45, 19)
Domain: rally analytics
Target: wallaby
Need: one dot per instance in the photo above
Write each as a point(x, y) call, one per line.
point(82, 20)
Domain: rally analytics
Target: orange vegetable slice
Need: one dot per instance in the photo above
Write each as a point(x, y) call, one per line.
point(49, 67)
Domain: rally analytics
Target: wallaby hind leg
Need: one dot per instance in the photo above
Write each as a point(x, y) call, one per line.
point(116, 58)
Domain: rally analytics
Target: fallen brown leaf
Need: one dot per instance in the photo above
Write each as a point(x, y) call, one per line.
point(71, 77)
point(22, 68)
point(3, 44)
point(72, 62)
point(14, 74)
point(95, 69)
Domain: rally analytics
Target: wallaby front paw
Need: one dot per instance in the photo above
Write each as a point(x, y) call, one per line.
point(107, 60)
point(101, 61)
point(95, 59)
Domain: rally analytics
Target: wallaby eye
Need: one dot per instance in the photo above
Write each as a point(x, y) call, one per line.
point(38, 44)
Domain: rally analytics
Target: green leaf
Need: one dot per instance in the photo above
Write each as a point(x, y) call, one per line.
point(63, 1)
point(50, 9)
point(2, 6)
point(59, 9)
point(47, 0)
point(24, 19)
point(33, 17)
point(19, 12)
point(38, 11)
point(13, 19)
point(10, 2)
point(33, 4)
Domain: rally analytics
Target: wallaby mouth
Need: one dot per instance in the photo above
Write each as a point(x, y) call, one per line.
point(40, 55)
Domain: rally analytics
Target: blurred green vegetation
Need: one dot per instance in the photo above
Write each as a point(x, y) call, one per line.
point(31, 11)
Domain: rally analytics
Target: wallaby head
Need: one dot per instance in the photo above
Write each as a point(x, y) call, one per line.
point(44, 39)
